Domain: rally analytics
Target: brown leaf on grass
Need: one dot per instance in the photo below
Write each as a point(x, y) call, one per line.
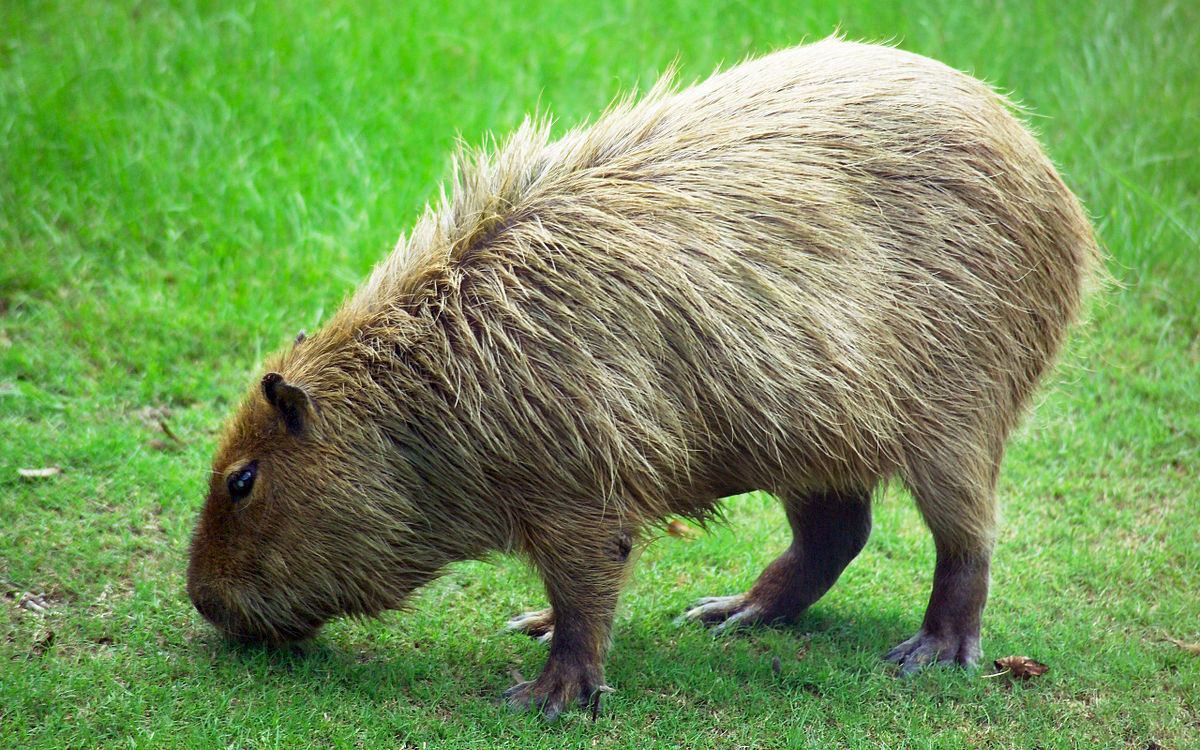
point(48, 471)
point(162, 424)
point(42, 642)
point(681, 530)
point(1191, 648)
point(1021, 667)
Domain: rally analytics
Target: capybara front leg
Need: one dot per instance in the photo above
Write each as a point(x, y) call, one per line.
point(949, 633)
point(582, 585)
point(828, 530)
point(575, 666)
point(538, 624)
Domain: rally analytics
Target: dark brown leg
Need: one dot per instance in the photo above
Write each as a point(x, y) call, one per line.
point(538, 624)
point(828, 531)
point(950, 631)
point(960, 515)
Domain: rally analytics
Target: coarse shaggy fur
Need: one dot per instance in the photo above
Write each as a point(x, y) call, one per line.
point(827, 267)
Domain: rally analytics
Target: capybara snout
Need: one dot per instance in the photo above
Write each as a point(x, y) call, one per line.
point(818, 271)
point(244, 625)
point(232, 622)
point(243, 614)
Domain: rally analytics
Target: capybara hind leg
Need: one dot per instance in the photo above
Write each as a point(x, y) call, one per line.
point(961, 520)
point(949, 633)
point(828, 531)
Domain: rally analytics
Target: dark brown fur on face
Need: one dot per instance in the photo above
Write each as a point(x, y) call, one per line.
point(831, 266)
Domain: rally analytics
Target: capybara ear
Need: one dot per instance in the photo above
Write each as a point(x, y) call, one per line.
point(289, 400)
point(300, 337)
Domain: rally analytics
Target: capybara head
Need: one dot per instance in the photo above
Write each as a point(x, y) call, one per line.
point(296, 528)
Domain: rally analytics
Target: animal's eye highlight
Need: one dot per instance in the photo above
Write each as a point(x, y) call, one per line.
point(241, 481)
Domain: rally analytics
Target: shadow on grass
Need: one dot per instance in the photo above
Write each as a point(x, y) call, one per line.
point(824, 651)
point(826, 639)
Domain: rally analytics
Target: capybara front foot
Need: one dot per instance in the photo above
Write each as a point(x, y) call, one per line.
point(725, 613)
point(554, 690)
point(926, 648)
point(538, 624)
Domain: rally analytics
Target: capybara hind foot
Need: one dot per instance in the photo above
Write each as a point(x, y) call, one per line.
point(556, 687)
point(725, 613)
point(925, 649)
point(828, 530)
point(538, 624)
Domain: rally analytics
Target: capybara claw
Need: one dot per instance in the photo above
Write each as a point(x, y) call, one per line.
point(551, 703)
point(748, 616)
point(517, 696)
point(593, 700)
point(711, 609)
point(522, 697)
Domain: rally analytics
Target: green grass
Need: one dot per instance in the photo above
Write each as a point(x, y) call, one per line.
point(184, 185)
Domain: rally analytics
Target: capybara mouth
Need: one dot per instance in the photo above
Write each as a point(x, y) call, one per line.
point(240, 628)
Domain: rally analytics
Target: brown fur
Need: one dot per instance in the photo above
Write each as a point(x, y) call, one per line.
point(833, 265)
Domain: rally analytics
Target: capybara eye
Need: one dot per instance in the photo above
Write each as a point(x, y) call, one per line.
point(242, 481)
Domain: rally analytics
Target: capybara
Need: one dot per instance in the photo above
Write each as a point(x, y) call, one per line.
point(834, 265)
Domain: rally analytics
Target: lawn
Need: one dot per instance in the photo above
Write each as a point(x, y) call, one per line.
point(185, 185)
